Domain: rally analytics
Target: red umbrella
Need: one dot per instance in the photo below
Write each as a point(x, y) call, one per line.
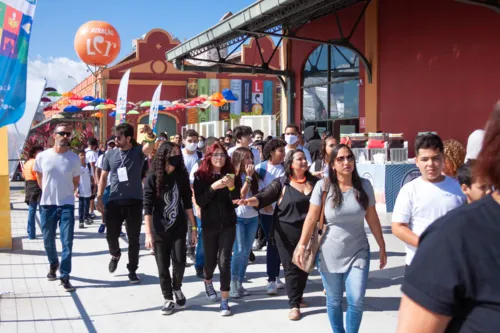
point(45, 100)
point(170, 108)
point(180, 106)
point(82, 105)
point(109, 101)
point(76, 98)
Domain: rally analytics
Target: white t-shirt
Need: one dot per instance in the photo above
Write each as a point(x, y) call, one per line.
point(246, 212)
point(91, 157)
point(306, 152)
point(84, 188)
point(271, 173)
point(191, 181)
point(189, 160)
point(255, 152)
point(98, 165)
point(58, 171)
point(420, 203)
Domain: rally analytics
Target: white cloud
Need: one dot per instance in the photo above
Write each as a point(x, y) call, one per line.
point(56, 71)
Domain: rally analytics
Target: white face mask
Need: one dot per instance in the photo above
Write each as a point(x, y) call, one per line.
point(191, 146)
point(291, 139)
point(201, 144)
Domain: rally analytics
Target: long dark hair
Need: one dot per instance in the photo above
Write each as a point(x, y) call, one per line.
point(160, 161)
point(322, 154)
point(288, 165)
point(357, 185)
point(205, 170)
point(488, 160)
point(33, 151)
point(237, 160)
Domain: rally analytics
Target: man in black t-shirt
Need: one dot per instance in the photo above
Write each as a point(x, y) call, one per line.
point(453, 283)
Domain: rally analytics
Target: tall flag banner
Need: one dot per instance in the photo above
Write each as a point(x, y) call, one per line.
point(203, 87)
point(224, 110)
point(257, 97)
point(235, 107)
point(268, 98)
point(246, 98)
point(121, 100)
point(153, 111)
point(192, 88)
point(214, 88)
point(16, 21)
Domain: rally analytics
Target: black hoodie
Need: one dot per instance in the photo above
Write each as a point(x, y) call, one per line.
point(313, 142)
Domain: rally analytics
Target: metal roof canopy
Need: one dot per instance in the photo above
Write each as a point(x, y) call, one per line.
point(264, 18)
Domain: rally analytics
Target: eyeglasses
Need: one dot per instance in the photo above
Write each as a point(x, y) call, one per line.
point(221, 156)
point(66, 134)
point(341, 159)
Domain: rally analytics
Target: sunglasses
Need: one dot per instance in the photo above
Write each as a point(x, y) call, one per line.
point(66, 134)
point(341, 159)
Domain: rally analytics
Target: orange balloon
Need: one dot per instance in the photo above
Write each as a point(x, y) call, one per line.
point(97, 43)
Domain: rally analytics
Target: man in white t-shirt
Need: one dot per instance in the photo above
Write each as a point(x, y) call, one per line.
point(427, 198)
point(292, 140)
point(243, 138)
point(191, 156)
point(58, 175)
point(91, 156)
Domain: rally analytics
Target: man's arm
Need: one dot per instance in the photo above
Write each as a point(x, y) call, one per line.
point(76, 181)
point(401, 217)
point(39, 176)
point(414, 318)
point(149, 144)
point(402, 231)
point(102, 183)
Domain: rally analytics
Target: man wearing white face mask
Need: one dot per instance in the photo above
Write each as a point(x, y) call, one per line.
point(191, 156)
point(292, 141)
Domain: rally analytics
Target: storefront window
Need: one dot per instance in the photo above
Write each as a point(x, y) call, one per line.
point(330, 89)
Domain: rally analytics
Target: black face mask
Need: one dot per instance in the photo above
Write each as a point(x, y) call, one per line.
point(175, 160)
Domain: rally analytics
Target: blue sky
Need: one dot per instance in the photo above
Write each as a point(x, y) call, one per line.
point(56, 22)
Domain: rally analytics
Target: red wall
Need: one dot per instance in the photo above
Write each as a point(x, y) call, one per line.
point(438, 67)
point(325, 29)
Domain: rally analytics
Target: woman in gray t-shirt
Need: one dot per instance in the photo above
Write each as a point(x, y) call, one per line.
point(344, 258)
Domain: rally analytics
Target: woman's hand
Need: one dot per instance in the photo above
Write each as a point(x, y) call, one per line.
point(228, 181)
point(249, 170)
point(194, 237)
point(319, 174)
point(383, 258)
point(218, 184)
point(76, 194)
point(149, 241)
point(298, 255)
point(241, 202)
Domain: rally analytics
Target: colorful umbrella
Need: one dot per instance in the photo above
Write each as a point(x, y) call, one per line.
point(101, 107)
point(52, 107)
point(145, 104)
point(97, 115)
point(57, 116)
point(133, 112)
point(88, 98)
point(217, 99)
point(71, 108)
point(109, 101)
point(165, 103)
point(228, 95)
point(49, 89)
point(112, 114)
point(99, 100)
point(204, 105)
point(45, 100)
point(75, 98)
point(90, 108)
point(161, 107)
point(180, 101)
point(54, 94)
point(68, 94)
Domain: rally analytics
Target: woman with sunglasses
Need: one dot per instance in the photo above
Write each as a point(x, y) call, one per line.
point(214, 190)
point(344, 258)
point(319, 168)
point(247, 219)
point(167, 206)
point(292, 193)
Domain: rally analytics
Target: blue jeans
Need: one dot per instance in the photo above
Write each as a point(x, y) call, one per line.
point(354, 281)
point(200, 253)
point(83, 208)
point(246, 228)
point(273, 261)
point(65, 215)
point(32, 219)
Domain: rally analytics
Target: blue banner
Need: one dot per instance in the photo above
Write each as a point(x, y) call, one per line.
point(16, 21)
point(268, 98)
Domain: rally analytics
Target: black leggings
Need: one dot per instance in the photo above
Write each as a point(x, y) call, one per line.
point(287, 236)
point(171, 245)
point(218, 243)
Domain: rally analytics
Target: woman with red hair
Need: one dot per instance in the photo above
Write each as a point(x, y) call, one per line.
point(214, 191)
point(452, 283)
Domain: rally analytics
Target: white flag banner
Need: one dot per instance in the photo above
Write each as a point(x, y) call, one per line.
point(121, 100)
point(153, 111)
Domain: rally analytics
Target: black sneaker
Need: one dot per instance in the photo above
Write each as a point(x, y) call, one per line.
point(92, 216)
point(89, 221)
point(210, 291)
point(66, 285)
point(251, 258)
point(51, 276)
point(199, 272)
point(81, 225)
point(180, 299)
point(133, 278)
point(168, 308)
point(113, 264)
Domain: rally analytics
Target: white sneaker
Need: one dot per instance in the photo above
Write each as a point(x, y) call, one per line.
point(190, 261)
point(241, 290)
point(280, 284)
point(234, 291)
point(255, 246)
point(271, 288)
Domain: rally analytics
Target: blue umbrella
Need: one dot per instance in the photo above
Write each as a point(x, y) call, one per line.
point(161, 107)
point(71, 108)
point(229, 96)
point(112, 114)
point(88, 98)
point(99, 100)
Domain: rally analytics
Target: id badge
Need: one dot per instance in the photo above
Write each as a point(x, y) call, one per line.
point(122, 174)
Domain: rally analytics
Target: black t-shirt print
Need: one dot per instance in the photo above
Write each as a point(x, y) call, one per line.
point(456, 271)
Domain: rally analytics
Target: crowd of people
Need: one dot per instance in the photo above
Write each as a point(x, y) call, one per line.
point(209, 202)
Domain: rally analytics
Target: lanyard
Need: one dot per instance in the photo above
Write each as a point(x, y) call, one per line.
point(124, 159)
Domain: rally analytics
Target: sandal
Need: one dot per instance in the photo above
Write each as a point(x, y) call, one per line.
point(294, 314)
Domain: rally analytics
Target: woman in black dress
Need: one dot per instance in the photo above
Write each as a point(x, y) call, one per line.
point(292, 193)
